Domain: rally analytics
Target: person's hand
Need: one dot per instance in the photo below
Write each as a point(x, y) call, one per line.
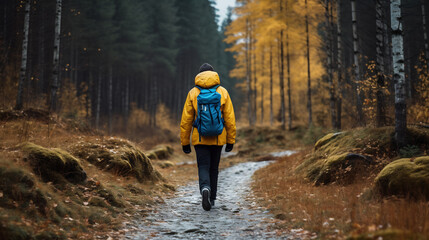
point(186, 149)
point(229, 147)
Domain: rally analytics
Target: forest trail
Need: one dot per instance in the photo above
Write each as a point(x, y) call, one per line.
point(235, 215)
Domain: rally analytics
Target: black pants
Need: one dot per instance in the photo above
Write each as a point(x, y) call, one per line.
point(208, 158)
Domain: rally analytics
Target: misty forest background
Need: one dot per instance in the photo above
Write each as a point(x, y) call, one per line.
point(127, 65)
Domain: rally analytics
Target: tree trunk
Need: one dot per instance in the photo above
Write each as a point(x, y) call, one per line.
point(356, 63)
point(98, 107)
point(56, 57)
point(380, 112)
point(339, 66)
point(329, 51)
point(281, 78)
point(425, 33)
point(127, 104)
point(23, 70)
point(398, 73)
point(289, 95)
point(262, 104)
point(255, 87)
point(271, 87)
point(41, 61)
point(110, 98)
point(248, 76)
point(310, 115)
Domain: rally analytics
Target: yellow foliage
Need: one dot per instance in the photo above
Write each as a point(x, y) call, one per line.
point(419, 111)
point(72, 104)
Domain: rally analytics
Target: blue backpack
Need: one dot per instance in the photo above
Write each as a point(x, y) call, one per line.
point(209, 120)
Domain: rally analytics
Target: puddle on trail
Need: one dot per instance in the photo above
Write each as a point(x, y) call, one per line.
point(233, 217)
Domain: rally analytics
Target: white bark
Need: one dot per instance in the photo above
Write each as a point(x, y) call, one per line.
point(398, 72)
point(23, 70)
point(56, 57)
point(356, 62)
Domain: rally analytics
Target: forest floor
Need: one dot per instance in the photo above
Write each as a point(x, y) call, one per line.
point(284, 199)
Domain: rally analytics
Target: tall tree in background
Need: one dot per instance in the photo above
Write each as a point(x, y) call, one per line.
point(425, 33)
point(398, 73)
point(289, 95)
point(329, 51)
point(281, 72)
point(310, 115)
point(23, 70)
point(357, 74)
point(339, 67)
point(380, 112)
point(56, 57)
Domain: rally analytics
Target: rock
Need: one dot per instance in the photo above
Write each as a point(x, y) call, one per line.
point(328, 137)
point(339, 168)
point(54, 165)
point(406, 177)
point(118, 156)
point(97, 201)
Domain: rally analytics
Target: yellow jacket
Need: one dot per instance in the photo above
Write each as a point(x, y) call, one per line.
point(207, 79)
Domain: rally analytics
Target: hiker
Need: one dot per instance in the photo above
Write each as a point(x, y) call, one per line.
point(208, 113)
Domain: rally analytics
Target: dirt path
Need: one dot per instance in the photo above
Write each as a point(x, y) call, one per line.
point(233, 217)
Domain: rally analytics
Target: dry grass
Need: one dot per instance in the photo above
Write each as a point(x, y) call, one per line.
point(333, 211)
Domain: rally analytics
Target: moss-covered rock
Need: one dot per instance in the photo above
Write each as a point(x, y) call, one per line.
point(161, 153)
point(118, 156)
point(342, 168)
point(325, 139)
point(405, 177)
point(18, 186)
point(54, 165)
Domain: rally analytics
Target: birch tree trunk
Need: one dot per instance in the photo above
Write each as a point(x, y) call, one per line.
point(310, 115)
point(356, 63)
point(56, 57)
point(425, 33)
point(398, 73)
point(339, 66)
point(271, 86)
point(380, 112)
point(23, 70)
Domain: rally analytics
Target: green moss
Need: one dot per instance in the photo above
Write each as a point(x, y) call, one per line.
point(49, 236)
point(328, 137)
point(118, 156)
point(405, 177)
point(54, 164)
point(18, 186)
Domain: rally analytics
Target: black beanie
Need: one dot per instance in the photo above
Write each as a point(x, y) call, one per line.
point(206, 67)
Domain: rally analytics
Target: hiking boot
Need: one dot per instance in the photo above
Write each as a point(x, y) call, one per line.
point(212, 202)
point(206, 196)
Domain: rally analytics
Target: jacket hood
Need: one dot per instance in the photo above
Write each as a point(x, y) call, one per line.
point(207, 79)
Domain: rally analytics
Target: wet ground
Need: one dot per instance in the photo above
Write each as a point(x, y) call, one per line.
point(235, 215)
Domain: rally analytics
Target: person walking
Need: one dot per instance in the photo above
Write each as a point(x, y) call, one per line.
point(209, 116)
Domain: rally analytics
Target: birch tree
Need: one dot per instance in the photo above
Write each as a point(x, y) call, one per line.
point(356, 63)
point(398, 73)
point(56, 57)
point(380, 112)
point(23, 70)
